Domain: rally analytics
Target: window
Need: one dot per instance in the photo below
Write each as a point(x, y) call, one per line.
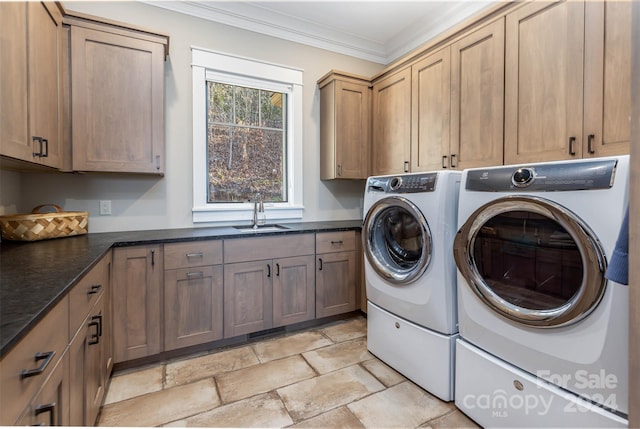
point(246, 144)
point(247, 138)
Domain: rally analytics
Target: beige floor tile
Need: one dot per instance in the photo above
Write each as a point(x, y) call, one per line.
point(262, 378)
point(132, 384)
point(161, 407)
point(337, 418)
point(454, 420)
point(349, 330)
point(290, 345)
point(317, 395)
point(338, 356)
point(186, 371)
point(404, 405)
point(262, 411)
point(387, 375)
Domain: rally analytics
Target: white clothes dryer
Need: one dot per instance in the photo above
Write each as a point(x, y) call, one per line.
point(409, 226)
point(543, 333)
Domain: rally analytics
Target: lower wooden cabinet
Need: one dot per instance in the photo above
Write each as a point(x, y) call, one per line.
point(192, 306)
point(268, 282)
point(336, 268)
point(248, 297)
point(50, 406)
point(137, 293)
point(87, 375)
point(293, 290)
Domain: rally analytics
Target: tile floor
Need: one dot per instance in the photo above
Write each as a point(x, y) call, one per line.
point(322, 377)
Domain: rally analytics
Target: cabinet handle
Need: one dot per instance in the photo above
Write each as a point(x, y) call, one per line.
point(95, 338)
point(406, 166)
point(157, 162)
point(572, 140)
point(453, 157)
point(278, 270)
point(195, 255)
point(268, 270)
point(46, 149)
point(47, 408)
point(320, 260)
point(94, 289)
point(46, 357)
point(339, 169)
point(193, 274)
point(39, 140)
point(336, 242)
point(153, 258)
point(590, 139)
point(444, 158)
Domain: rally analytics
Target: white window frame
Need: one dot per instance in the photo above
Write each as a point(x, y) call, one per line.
point(236, 70)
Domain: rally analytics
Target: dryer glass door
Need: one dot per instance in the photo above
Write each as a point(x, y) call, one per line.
point(397, 240)
point(532, 261)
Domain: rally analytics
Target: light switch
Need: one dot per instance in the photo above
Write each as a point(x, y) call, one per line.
point(105, 207)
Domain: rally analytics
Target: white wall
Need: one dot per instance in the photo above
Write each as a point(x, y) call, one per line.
point(142, 202)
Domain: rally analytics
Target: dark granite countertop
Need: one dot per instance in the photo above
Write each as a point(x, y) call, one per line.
point(34, 276)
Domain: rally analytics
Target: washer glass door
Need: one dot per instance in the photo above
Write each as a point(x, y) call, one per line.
point(397, 240)
point(532, 261)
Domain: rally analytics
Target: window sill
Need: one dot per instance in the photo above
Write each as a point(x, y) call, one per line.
point(232, 215)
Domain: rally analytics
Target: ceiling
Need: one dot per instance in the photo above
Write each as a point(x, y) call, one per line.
point(379, 31)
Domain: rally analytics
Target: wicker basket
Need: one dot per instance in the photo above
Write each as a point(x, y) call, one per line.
point(42, 226)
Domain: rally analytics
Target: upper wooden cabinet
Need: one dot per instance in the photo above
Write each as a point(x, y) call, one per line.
point(477, 99)
point(607, 78)
point(391, 145)
point(345, 126)
point(30, 82)
point(117, 98)
point(555, 107)
point(431, 110)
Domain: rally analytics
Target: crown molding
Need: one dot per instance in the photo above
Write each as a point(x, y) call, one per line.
point(260, 20)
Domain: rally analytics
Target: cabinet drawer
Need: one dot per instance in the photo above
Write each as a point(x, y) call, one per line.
point(272, 247)
point(85, 294)
point(340, 241)
point(192, 254)
point(39, 351)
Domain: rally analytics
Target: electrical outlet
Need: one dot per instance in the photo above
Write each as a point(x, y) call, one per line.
point(105, 207)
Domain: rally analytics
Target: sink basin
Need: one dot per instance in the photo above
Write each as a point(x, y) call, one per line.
point(261, 228)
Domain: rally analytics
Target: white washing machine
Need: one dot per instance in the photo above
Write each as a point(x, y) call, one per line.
point(543, 333)
point(409, 226)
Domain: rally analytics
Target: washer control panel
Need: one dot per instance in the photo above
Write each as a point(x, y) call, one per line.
point(555, 176)
point(404, 184)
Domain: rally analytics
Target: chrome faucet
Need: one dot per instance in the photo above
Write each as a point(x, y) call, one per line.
point(258, 208)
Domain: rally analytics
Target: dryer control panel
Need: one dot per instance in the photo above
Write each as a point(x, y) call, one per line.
point(403, 184)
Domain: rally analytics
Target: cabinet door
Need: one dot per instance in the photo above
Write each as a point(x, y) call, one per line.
point(544, 82)
point(192, 306)
point(29, 84)
point(14, 129)
point(87, 353)
point(117, 102)
point(431, 95)
point(50, 407)
point(607, 79)
point(477, 98)
point(137, 288)
point(44, 26)
point(335, 283)
point(392, 124)
point(293, 290)
point(353, 116)
point(248, 297)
